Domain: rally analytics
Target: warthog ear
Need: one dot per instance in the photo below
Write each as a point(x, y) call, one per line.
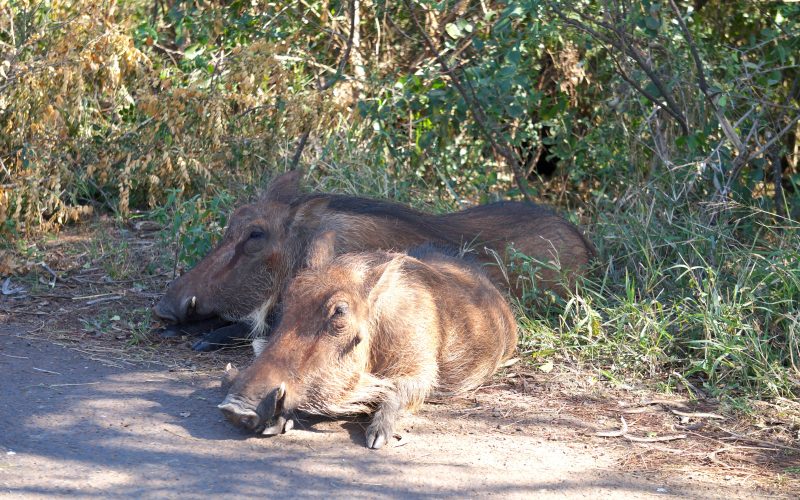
point(283, 188)
point(387, 280)
point(309, 213)
point(322, 250)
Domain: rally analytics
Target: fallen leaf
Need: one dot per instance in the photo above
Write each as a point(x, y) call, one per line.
point(9, 265)
point(547, 367)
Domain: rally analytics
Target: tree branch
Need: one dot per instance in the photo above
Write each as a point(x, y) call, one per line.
point(301, 143)
point(729, 131)
point(474, 105)
point(348, 48)
point(626, 47)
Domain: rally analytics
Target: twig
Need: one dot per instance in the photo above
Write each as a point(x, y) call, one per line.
point(103, 299)
point(82, 297)
point(774, 139)
point(46, 371)
point(10, 289)
point(734, 435)
point(697, 392)
point(730, 133)
point(72, 385)
point(697, 415)
point(713, 455)
point(348, 48)
point(52, 273)
point(12, 356)
point(669, 105)
point(623, 432)
point(655, 439)
point(310, 62)
point(641, 409)
point(179, 435)
point(36, 329)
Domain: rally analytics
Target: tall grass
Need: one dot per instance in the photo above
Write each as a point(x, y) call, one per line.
point(672, 295)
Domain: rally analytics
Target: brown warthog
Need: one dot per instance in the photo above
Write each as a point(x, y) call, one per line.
point(373, 332)
point(266, 242)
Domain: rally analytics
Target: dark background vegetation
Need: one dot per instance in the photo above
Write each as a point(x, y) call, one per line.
point(667, 129)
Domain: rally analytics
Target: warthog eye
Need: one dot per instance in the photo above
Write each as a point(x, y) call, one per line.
point(340, 310)
point(257, 234)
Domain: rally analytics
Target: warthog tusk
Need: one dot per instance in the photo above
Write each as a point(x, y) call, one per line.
point(193, 303)
point(282, 390)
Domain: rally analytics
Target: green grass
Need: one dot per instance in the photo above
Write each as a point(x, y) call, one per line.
point(664, 304)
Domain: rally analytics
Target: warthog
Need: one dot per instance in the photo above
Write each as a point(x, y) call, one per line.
point(266, 242)
point(373, 332)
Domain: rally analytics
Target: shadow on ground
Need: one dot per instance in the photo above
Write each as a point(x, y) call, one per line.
point(73, 426)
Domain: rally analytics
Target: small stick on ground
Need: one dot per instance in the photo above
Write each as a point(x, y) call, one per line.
point(623, 432)
point(46, 371)
point(697, 415)
point(733, 435)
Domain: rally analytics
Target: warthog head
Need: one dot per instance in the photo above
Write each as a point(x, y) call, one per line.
point(317, 357)
point(240, 280)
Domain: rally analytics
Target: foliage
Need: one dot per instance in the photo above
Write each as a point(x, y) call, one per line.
point(669, 129)
point(94, 116)
point(192, 226)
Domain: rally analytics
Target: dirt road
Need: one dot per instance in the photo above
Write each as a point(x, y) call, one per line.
point(73, 426)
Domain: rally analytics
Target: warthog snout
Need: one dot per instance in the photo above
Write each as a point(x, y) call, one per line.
point(176, 312)
point(269, 418)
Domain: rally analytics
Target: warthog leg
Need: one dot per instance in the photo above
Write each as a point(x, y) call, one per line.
point(408, 392)
point(221, 337)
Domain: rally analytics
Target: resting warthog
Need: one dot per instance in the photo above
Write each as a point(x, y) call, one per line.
point(266, 242)
point(373, 332)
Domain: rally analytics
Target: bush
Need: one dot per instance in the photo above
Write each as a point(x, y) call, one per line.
point(668, 128)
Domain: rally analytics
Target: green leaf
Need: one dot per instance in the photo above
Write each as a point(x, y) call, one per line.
point(193, 51)
point(453, 30)
point(652, 23)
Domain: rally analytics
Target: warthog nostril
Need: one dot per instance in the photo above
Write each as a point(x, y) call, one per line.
point(238, 415)
point(248, 421)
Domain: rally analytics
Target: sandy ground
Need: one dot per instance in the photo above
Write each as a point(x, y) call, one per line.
point(71, 426)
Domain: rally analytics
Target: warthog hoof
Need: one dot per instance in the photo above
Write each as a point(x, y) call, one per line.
point(378, 434)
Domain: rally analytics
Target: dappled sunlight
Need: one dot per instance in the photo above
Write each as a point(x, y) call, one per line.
point(62, 475)
point(104, 431)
